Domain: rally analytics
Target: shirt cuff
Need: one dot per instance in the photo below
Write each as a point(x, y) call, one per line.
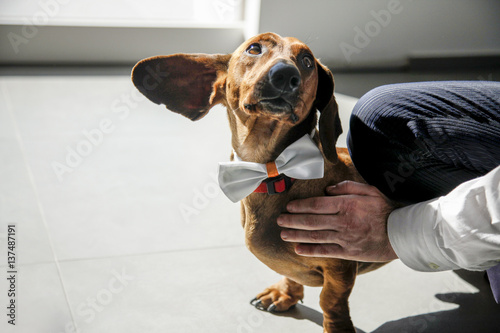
point(413, 234)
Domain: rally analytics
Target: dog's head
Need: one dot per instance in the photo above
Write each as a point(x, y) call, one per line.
point(267, 76)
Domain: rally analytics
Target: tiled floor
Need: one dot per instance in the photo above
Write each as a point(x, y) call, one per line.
point(120, 227)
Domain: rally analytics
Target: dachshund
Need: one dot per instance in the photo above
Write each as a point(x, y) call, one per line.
point(273, 89)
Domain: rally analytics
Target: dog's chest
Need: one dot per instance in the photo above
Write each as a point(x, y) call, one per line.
point(260, 214)
point(262, 235)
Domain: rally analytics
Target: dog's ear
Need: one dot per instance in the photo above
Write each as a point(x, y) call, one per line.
point(189, 84)
point(329, 120)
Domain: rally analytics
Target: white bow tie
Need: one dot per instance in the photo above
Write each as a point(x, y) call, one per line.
point(301, 160)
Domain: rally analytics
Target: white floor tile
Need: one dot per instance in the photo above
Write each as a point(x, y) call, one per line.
point(192, 291)
point(346, 104)
point(19, 200)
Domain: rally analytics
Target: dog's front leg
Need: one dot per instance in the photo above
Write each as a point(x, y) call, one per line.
point(280, 296)
point(338, 282)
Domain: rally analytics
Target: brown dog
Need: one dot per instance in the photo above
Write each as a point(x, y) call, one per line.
point(271, 87)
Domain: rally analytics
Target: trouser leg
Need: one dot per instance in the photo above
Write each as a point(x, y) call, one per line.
point(417, 141)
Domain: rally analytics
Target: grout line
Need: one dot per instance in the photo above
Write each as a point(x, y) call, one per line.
point(29, 171)
point(139, 254)
point(159, 252)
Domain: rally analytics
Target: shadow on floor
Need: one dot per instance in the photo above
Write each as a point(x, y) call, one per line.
point(477, 312)
point(302, 312)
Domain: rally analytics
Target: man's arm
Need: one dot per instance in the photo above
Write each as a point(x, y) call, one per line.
point(461, 229)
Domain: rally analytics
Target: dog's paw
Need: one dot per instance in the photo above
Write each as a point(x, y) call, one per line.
point(279, 297)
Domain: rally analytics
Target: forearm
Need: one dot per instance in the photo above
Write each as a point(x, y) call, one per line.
point(459, 230)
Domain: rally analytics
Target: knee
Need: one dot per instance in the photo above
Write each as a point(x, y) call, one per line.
point(385, 112)
point(379, 103)
point(379, 131)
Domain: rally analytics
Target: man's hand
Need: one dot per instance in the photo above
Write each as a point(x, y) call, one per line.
point(349, 224)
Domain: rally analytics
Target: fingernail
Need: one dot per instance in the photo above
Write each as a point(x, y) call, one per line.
point(280, 220)
point(284, 235)
point(298, 250)
point(290, 207)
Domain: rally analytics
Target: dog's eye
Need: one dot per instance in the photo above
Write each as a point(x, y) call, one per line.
point(308, 61)
point(254, 49)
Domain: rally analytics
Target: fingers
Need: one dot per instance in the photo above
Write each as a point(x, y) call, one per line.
point(350, 187)
point(323, 250)
point(315, 236)
point(310, 222)
point(337, 251)
point(316, 205)
point(342, 196)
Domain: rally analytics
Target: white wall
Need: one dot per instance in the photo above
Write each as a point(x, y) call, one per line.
point(115, 31)
point(111, 45)
point(415, 28)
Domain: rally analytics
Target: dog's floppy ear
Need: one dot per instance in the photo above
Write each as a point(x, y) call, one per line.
point(329, 120)
point(189, 84)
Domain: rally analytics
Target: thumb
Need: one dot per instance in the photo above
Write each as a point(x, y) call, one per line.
point(351, 187)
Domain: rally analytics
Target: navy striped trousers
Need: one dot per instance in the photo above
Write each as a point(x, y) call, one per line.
point(418, 141)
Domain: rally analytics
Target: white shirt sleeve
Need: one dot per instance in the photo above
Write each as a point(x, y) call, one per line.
point(459, 230)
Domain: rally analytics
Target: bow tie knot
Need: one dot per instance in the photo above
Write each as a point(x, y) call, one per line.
point(301, 160)
point(272, 169)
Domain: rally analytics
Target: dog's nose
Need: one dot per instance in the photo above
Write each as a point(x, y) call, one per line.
point(284, 77)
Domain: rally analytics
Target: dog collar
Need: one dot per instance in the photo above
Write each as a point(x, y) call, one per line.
point(275, 185)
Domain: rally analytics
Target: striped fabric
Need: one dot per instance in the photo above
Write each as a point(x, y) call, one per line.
point(418, 141)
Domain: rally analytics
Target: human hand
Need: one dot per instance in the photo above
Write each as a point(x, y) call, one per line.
point(349, 224)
